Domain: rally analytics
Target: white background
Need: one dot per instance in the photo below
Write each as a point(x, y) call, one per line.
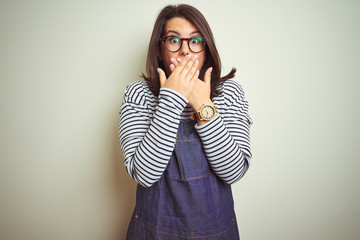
point(64, 66)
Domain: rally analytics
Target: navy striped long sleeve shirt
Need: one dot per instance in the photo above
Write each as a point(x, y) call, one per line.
point(148, 128)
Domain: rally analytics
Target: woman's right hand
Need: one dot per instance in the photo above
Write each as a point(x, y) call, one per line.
point(183, 77)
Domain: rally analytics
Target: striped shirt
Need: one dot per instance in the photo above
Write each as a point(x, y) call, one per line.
point(148, 128)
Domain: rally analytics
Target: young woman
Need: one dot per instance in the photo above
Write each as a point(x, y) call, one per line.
point(184, 133)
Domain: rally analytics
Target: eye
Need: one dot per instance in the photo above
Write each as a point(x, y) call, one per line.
point(174, 40)
point(196, 40)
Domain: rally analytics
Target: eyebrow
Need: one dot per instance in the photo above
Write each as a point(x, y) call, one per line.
point(172, 31)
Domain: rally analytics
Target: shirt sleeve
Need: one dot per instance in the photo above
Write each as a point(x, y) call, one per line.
point(147, 140)
point(226, 138)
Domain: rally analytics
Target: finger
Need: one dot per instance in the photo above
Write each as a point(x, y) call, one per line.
point(172, 67)
point(179, 66)
point(175, 62)
point(193, 70)
point(188, 66)
point(183, 61)
point(196, 75)
point(162, 77)
point(207, 75)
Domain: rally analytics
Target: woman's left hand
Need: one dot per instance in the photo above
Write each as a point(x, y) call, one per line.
point(201, 93)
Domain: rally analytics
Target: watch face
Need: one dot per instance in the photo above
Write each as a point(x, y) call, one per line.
point(207, 112)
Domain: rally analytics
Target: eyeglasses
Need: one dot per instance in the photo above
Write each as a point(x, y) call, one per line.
point(174, 44)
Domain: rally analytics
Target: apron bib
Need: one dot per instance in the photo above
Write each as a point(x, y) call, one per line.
point(188, 202)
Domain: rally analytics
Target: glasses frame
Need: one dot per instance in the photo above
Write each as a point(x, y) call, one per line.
point(181, 43)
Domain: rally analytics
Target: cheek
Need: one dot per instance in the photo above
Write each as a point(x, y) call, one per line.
point(166, 56)
point(201, 62)
point(166, 59)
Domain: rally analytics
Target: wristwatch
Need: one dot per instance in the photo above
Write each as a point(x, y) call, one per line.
point(206, 112)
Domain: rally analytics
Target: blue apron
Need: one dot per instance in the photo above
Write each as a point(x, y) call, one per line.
point(188, 202)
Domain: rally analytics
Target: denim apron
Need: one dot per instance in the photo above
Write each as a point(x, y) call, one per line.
point(188, 202)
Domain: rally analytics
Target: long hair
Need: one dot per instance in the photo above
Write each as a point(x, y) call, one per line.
point(212, 58)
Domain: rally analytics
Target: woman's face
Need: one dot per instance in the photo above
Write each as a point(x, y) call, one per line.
point(182, 28)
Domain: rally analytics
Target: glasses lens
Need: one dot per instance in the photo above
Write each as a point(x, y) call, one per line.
point(196, 44)
point(173, 43)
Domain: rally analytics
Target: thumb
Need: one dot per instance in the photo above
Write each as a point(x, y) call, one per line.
point(162, 77)
point(207, 75)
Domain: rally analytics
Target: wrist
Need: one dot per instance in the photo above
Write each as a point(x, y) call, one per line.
point(201, 122)
point(205, 113)
point(196, 106)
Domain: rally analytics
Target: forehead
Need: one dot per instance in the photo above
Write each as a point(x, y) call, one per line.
point(180, 25)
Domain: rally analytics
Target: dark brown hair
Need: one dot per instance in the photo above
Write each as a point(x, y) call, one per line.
point(212, 58)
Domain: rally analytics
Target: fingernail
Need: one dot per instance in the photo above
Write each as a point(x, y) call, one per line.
point(179, 59)
point(158, 70)
point(197, 61)
point(189, 55)
point(172, 59)
point(196, 56)
point(211, 69)
point(172, 66)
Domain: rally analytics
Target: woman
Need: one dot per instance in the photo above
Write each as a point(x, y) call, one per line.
point(184, 133)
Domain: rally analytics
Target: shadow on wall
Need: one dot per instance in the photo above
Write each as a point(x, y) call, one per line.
point(125, 188)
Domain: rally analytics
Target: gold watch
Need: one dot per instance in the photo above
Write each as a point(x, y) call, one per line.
point(206, 113)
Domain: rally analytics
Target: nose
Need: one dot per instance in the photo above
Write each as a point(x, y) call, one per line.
point(184, 51)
